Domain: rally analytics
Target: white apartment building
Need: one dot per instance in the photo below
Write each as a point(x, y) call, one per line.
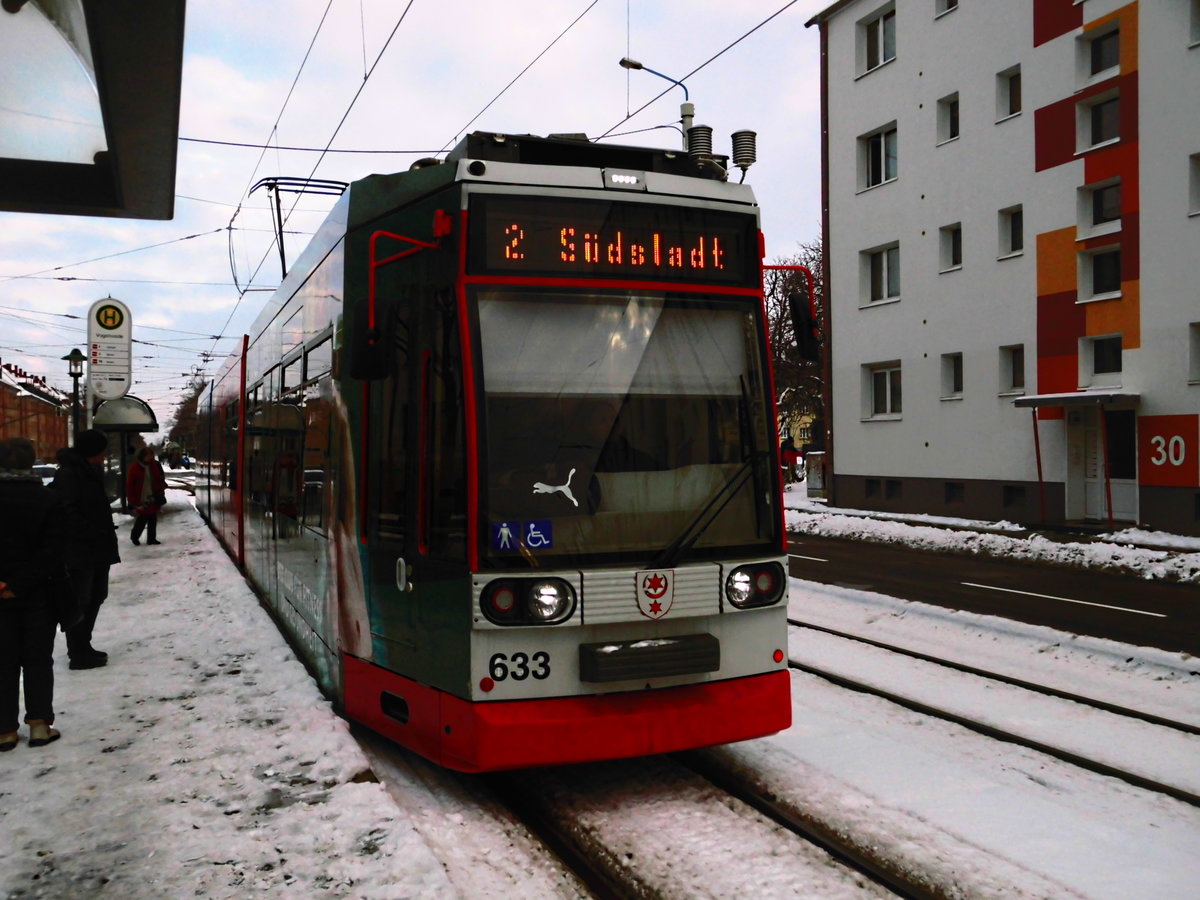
point(1012, 240)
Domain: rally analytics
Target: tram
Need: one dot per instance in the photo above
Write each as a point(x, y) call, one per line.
point(500, 457)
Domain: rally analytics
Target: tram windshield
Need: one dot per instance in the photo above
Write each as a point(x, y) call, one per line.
point(622, 426)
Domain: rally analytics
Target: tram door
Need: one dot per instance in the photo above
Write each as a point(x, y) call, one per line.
point(417, 504)
point(391, 484)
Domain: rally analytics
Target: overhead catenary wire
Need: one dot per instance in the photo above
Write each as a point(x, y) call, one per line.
point(329, 143)
point(517, 77)
point(712, 58)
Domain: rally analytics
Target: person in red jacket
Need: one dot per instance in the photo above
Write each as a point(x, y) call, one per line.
point(146, 491)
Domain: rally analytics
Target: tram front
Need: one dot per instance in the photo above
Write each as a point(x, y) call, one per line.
point(630, 592)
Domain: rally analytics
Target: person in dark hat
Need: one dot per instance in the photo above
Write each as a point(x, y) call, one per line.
point(30, 560)
point(91, 539)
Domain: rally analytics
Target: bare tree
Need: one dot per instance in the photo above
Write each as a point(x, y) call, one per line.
point(799, 375)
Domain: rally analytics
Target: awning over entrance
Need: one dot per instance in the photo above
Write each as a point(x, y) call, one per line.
point(125, 414)
point(1078, 398)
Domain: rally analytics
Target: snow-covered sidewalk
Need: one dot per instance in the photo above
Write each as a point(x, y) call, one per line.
point(202, 761)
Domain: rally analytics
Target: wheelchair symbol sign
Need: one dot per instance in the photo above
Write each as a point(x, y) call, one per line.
point(538, 534)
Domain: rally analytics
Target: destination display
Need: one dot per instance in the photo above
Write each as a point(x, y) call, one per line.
point(611, 239)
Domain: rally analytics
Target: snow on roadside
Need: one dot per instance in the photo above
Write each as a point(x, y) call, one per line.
point(1165, 557)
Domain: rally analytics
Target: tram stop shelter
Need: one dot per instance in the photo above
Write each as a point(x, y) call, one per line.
point(119, 418)
point(89, 106)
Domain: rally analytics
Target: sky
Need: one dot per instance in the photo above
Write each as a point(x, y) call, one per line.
point(195, 284)
point(203, 762)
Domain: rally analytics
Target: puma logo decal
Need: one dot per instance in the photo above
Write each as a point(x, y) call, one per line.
point(540, 487)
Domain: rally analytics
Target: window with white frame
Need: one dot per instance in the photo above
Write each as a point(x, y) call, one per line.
point(877, 38)
point(882, 390)
point(1099, 208)
point(1012, 231)
point(1098, 121)
point(880, 274)
point(1099, 53)
point(952, 376)
point(1008, 92)
point(877, 157)
point(1100, 361)
point(950, 247)
point(947, 114)
point(1194, 181)
point(1012, 369)
point(1194, 353)
point(1100, 273)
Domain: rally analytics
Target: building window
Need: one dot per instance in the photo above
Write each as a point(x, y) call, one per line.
point(881, 274)
point(950, 247)
point(1195, 42)
point(877, 157)
point(948, 118)
point(871, 487)
point(955, 492)
point(1106, 204)
point(1100, 361)
point(944, 6)
point(1194, 180)
point(892, 489)
point(1194, 353)
point(1100, 274)
point(1100, 208)
point(1104, 52)
point(877, 38)
point(1013, 496)
point(1012, 231)
point(1012, 369)
point(952, 376)
point(1099, 121)
point(1008, 92)
point(882, 390)
point(1106, 272)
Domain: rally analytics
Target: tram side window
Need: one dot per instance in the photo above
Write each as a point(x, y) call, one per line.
point(317, 458)
point(229, 445)
point(448, 530)
point(391, 420)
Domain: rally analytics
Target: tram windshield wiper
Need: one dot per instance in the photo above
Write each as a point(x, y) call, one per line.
point(671, 554)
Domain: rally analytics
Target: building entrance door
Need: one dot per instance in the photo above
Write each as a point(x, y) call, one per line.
point(1120, 449)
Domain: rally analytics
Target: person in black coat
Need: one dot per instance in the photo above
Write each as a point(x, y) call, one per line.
point(30, 559)
point(91, 539)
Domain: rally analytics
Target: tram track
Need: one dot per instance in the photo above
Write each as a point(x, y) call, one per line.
point(649, 827)
point(1186, 727)
point(992, 725)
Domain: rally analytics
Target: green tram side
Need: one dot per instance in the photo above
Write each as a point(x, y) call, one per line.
point(499, 456)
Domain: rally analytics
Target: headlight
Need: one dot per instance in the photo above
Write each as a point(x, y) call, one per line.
point(549, 600)
point(519, 601)
point(760, 584)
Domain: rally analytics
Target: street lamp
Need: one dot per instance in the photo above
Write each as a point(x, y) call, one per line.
point(687, 111)
point(75, 360)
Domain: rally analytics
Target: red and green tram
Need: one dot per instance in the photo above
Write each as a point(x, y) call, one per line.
point(500, 457)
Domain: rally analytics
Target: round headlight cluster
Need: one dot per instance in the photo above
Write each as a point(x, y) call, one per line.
point(527, 601)
point(760, 584)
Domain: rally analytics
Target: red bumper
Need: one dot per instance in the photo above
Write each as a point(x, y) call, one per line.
point(480, 737)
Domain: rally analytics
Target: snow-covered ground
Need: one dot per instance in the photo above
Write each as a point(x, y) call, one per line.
point(203, 762)
point(1148, 554)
